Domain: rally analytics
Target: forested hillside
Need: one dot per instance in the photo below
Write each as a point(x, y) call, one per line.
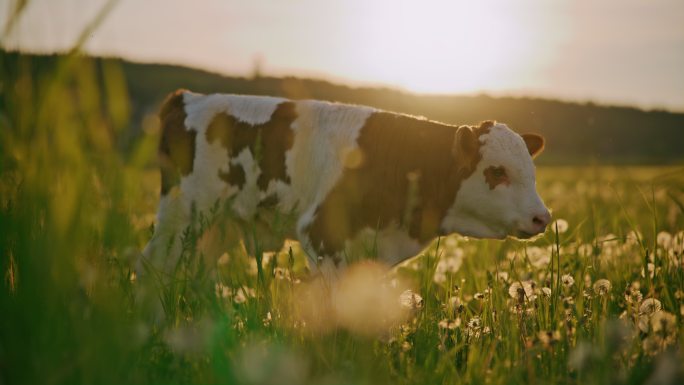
point(576, 133)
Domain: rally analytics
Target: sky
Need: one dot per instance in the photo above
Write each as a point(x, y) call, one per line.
point(627, 52)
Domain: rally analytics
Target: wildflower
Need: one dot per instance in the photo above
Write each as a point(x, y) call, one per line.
point(503, 276)
point(242, 293)
point(664, 239)
point(650, 306)
point(568, 302)
point(538, 257)
point(439, 277)
point(475, 323)
point(451, 262)
point(664, 323)
point(633, 296)
point(632, 238)
point(222, 291)
point(449, 324)
point(406, 346)
point(411, 300)
point(602, 287)
point(522, 290)
point(652, 271)
point(561, 225)
point(479, 296)
point(567, 280)
point(664, 328)
point(267, 320)
point(585, 250)
point(546, 292)
point(548, 338)
point(679, 294)
point(454, 302)
point(474, 328)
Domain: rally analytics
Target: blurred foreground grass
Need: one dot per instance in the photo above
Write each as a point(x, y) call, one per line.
point(599, 302)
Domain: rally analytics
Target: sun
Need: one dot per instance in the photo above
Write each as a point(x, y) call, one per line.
point(440, 46)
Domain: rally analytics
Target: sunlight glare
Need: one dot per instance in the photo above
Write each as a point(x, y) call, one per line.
point(438, 46)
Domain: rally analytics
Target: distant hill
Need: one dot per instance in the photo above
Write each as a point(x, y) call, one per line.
point(576, 133)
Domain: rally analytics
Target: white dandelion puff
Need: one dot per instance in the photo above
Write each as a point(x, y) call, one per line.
point(602, 287)
point(561, 225)
point(567, 280)
point(411, 300)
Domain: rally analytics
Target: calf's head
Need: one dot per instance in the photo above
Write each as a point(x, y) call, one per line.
point(498, 196)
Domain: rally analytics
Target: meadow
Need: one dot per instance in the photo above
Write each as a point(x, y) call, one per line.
point(598, 299)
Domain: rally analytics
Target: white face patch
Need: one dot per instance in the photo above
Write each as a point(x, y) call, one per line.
point(485, 209)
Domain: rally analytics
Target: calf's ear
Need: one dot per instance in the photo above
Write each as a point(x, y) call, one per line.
point(534, 143)
point(466, 147)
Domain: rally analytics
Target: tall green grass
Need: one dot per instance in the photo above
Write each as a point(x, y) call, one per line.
point(76, 209)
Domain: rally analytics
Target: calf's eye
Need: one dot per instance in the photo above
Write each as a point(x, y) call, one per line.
point(495, 176)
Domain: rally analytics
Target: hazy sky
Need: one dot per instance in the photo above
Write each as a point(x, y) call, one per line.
point(608, 51)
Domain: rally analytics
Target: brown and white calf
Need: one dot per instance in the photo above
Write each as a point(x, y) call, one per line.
point(343, 180)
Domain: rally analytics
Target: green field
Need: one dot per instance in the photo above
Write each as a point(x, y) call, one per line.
point(600, 300)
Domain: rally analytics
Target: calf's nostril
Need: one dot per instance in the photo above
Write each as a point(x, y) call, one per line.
point(540, 220)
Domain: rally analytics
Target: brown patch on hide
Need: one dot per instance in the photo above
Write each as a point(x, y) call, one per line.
point(177, 144)
point(495, 176)
point(409, 177)
point(267, 142)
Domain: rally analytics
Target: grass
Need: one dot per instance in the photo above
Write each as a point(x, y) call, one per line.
point(76, 208)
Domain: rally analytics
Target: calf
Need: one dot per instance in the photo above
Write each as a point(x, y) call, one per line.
point(346, 181)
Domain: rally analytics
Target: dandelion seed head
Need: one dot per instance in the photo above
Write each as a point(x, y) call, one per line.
point(522, 290)
point(561, 225)
point(502, 276)
point(567, 280)
point(475, 323)
point(411, 300)
point(664, 239)
point(664, 322)
point(449, 324)
point(602, 287)
point(585, 250)
point(538, 256)
point(548, 338)
point(454, 302)
point(633, 297)
point(649, 306)
point(652, 270)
